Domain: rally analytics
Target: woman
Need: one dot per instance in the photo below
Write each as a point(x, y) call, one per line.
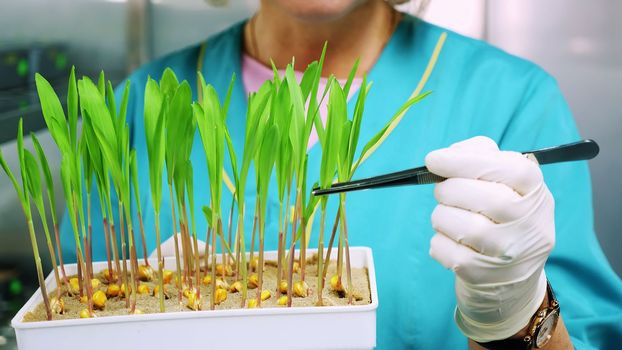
point(493, 223)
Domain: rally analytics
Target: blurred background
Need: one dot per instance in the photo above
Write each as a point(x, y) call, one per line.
point(577, 41)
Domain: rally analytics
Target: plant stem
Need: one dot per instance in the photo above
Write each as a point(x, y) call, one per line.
point(123, 254)
point(242, 265)
point(230, 224)
point(320, 258)
point(35, 250)
point(188, 255)
point(255, 218)
point(262, 225)
point(292, 251)
point(160, 261)
point(107, 238)
point(60, 254)
point(216, 220)
point(177, 263)
point(48, 240)
point(279, 258)
point(142, 236)
point(207, 247)
point(330, 247)
point(285, 227)
point(344, 229)
point(115, 246)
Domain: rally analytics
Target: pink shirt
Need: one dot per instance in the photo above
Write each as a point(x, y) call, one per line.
point(255, 73)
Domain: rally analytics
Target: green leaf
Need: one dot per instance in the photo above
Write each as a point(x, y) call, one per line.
point(33, 179)
point(384, 131)
point(155, 138)
point(134, 177)
point(168, 83)
point(225, 107)
point(53, 114)
point(356, 122)
point(334, 132)
point(124, 101)
point(72, 108)
point(112, 107)
point(265, 165)
point(346, 87)
point(49, 182)
point(207, 211)
point(9, 173)
point(101, 83)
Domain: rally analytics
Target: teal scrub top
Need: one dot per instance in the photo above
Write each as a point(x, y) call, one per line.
point(477, 90)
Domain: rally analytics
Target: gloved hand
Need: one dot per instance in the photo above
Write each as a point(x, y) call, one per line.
point(495, 229)
point(168, 247)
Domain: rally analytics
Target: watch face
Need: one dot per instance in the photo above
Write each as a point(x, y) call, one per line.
point(546, 329)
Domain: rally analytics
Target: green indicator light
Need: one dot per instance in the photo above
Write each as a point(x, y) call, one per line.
point(22, 67)
point(15, 287)
point(61, 61)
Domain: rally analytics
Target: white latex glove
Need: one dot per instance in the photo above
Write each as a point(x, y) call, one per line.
point(168, 247)
point(495, 229)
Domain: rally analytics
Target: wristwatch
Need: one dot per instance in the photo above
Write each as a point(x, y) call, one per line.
point(540, 329)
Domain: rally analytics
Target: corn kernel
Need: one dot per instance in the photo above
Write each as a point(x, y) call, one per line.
point(187, 291)
point(143, 289)
point(235, 287)
point(283, 286)
point(220, 283)
point(107, 276)
point(99, 299)
point(145, 273)
point(83, 299)
point(113, 290)
point(335, 284)
point(220, 296)
point(95, 283)
point(301, 289)
point(207, 280)
point(252, 303)
point(122, 291)
point(57, 305)
point(296, 267)
point(282, 300)
point(253, 281)
point(265, 295)
point(74, 284)
point(85, 314)
point(194, 301)
point(227, 270)
point(167, 276)
point(156, 291)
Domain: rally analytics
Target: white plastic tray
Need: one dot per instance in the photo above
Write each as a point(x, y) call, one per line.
point(330, 327)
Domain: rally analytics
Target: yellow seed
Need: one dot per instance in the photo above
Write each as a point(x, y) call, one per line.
point(207, 280)
point(220, 283)
point(296, 267)
point(167, 276)
point(85, 314)
point(283, 286)
point(143, 289)
point(57, 305)
point(145, 273)
point(95, 283)
point(335, 284)
point(253, 263)
point(83, 299)
point(220, 296)
point(282, 300)
point(194, 302)
point(265, 295)
point(122, 290)
point(301, 289)
point(187, 292)
point(74, 284)
point(252, 303)
point(156, 291)
point(106, 275)
point(227, 269)
point(253, 281)
point(99, 299)
point(236, 287)
point(113, 290)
